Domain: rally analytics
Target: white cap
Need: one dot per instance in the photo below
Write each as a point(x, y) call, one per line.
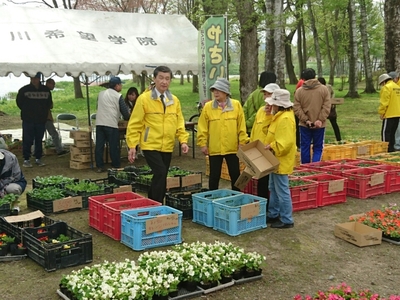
point(271, 87)
point(1, 155)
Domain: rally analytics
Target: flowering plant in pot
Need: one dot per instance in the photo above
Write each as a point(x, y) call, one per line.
point(253, 261)
point(343, 292)
point(386, 219)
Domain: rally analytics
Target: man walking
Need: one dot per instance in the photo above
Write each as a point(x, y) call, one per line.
point(110, 106)
point(155, 123)
point(34, 100)
point(312, 104)
point(50, 83)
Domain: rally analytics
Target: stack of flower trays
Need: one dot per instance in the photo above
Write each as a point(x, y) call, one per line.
point(127, 175)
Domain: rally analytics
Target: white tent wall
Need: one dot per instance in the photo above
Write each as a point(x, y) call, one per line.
point(75, 41)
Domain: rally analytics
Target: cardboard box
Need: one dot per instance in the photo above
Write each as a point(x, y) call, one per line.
point(75, 150)
point(80, 135)
point(244, 179)
point(358, 234)
point(261, 162)
point(191, 179)
point(79, 165)
point(80, 143)
point(25, 217)
point(337, 101)
point(81, 157)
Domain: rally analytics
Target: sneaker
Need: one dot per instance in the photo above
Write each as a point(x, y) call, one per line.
point(273, 220)
point(62, 153)
point(27, 164)
point(39, 163)
point(281, 225)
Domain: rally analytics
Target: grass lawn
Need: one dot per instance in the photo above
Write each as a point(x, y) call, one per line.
point(357, 118)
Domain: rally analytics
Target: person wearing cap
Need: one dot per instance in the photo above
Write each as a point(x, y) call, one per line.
point(281, 140)
point(12, 181)
point(156, 122)
point(110, 106)
point(312, 105)
point(34, 100)
point(389, 109)
point(221, 130)
point(256, 98)
point(262, 119)
point(50, 83)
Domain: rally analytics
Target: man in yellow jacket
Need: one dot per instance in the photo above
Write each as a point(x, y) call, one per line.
point(389, 109)
point(220, 131)
point(281, 140)
point(154, 124)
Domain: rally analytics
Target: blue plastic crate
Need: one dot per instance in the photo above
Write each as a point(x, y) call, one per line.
point(227, 217)
point(203, 211)
point(133, 228)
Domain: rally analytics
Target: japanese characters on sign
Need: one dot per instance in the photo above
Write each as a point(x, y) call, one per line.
point(212, 50)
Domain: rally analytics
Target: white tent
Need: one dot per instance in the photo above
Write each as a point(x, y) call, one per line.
point(75, 41)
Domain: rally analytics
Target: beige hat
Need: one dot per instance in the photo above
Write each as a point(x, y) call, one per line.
point(383, 78)
point(267, 99)
point(271, 87)
point(280, 97)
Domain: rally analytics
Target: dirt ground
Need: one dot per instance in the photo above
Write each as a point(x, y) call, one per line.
point(301, 260)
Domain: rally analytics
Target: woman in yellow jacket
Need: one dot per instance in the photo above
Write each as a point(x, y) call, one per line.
point(281, 140)
point(263, 118)
point(220, 131)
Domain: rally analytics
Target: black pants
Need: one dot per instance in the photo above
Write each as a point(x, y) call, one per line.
point(297, 131)
point(159, 163)
point(336, 129)
point(389, 127)
point(232, 162)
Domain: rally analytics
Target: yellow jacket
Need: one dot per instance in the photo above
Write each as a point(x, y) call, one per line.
point(281, 136)
point(222, 130)
point(261, 120)
point(389, 100)
point(153, 128)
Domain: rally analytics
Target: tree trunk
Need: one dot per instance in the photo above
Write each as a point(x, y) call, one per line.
point(288, 58)
point(369, 83)
point(301, 56)
point(195, 84)
point(279, 37)
point(269, 37)
point(249, 48)
point(392, 35)
point(316, 40)
point(77, 88)
point(353, 79)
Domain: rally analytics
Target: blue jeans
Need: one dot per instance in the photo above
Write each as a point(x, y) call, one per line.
point(310, 137)
point(32, 133)
point(106, 134)
point(280, 202)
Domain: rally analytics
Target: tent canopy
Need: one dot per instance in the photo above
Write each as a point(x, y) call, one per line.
point(71, 42)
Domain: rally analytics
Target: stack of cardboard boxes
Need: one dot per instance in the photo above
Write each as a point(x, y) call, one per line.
point(81, 150)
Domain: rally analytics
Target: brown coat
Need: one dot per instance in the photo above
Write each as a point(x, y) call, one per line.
point(312, 102)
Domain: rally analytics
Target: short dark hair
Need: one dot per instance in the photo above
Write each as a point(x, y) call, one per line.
point(266, 77)
point(308, 73)
point(162, 69)
point(322, 80)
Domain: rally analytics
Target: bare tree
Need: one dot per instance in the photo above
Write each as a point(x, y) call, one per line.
point(392, 35)
point(316, 39)
point(369, 83)
point(353, 51)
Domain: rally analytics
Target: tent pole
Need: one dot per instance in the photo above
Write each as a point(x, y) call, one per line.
point(89, 121)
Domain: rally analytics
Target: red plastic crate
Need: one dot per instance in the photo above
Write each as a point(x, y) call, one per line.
point(302, 172)
point(347, 161)
point(392, 182)
point(317, 165)
point(112, 214)
point(251, 187)
point(96, 209)
point(365, 182)
point(364, 163)
point(304, 196)
point(338, 169)
point(332, 189)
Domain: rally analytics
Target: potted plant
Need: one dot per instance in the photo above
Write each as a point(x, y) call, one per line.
point(18, 249)
point(253, 261)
